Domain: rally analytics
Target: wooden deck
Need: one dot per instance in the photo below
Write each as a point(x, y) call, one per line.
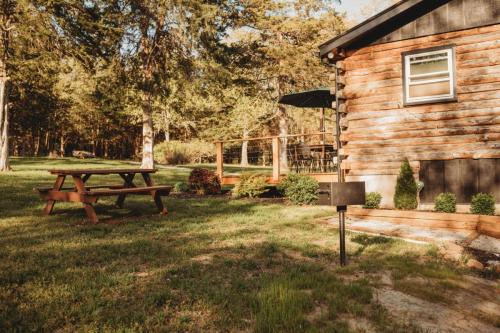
point(320, 177)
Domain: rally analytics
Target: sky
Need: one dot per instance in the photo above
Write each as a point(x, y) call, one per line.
point(358, 10)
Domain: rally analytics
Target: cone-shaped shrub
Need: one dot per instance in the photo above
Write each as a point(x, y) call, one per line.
point(406, 188)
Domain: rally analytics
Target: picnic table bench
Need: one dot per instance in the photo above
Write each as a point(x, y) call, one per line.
point(89, 195)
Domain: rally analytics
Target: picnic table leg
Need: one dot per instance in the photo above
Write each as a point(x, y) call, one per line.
point(155, 194)
point(49, 206)
point(86, 177)
point(89, 209)
point(128, 182)
point(159, 204)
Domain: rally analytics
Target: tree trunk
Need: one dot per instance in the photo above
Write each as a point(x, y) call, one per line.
point(62, 143)
point(282, 116)
point(147, 133)
point(47, 143)
point(166, 126)
point(37, 144)
point(147, 49)
point(4, 124)
point(167, 135)
point(106, 149)
point(244, 149)
point(283, 132)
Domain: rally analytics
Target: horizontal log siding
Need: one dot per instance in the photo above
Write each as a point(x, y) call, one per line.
point(381, 131)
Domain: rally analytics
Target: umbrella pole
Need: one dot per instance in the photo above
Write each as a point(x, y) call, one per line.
point(322, 125)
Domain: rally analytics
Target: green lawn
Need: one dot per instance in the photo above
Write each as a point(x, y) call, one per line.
point(214, 264)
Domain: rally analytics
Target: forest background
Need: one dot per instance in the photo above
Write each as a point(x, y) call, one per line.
point(116, 77)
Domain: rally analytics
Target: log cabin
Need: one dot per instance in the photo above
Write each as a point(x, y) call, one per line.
point(421, 80)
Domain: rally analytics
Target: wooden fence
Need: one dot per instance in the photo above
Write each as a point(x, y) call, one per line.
point(277, 172)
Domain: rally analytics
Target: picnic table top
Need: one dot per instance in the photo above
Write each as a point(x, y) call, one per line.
point(99, 171)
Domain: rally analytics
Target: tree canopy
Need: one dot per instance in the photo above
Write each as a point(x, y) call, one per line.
point(116, 77)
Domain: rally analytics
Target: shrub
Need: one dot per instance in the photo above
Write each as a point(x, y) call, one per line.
point(299, 189)
point(406, 188)
point(177, 152)
point(373, 200)
point(203, 181)
point(181, 187)
point(483, 204)
point(250, 185)
point(445, 202)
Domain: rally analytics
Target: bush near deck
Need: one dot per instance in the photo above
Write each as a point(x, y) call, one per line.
point(299, 189)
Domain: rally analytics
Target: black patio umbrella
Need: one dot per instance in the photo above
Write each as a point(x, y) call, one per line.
point(316, 98)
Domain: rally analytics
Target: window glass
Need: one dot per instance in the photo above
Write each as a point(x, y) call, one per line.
point(429, 76)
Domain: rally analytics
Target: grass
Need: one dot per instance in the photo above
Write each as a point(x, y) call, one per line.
point(213, 264)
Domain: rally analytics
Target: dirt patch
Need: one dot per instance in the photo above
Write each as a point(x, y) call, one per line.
point(433, 317)
point(296, 256)
point(142, 274)
point(318, 312)
point(361, 325)
point(203, 258)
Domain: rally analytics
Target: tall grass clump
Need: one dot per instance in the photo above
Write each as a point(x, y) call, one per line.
point(178, 152)
point(281, 308)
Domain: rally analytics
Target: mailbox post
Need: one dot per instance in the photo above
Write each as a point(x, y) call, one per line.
point(342, 195)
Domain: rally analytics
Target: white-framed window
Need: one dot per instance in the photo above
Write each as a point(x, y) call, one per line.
point(429, 75)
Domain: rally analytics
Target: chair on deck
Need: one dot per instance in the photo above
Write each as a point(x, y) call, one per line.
point(304, 160)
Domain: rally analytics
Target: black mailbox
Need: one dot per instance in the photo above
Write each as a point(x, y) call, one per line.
point(342, 194)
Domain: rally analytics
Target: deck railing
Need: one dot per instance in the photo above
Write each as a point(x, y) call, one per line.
point(312, 153)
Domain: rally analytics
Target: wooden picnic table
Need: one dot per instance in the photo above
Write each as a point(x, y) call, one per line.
point(88, 195)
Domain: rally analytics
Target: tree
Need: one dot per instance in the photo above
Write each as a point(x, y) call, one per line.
point(405, 196)
point(35, 33)
point(159, 33)
point(285, 35)
point(247, 114)
point(6, 26)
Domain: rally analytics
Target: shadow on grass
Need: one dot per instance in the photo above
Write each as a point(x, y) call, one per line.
point(179, 282)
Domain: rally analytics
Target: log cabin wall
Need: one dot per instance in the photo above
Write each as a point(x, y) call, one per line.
point(379, 131)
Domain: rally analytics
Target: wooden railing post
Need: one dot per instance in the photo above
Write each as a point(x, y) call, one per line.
point(220, 160)
point(276, 159)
